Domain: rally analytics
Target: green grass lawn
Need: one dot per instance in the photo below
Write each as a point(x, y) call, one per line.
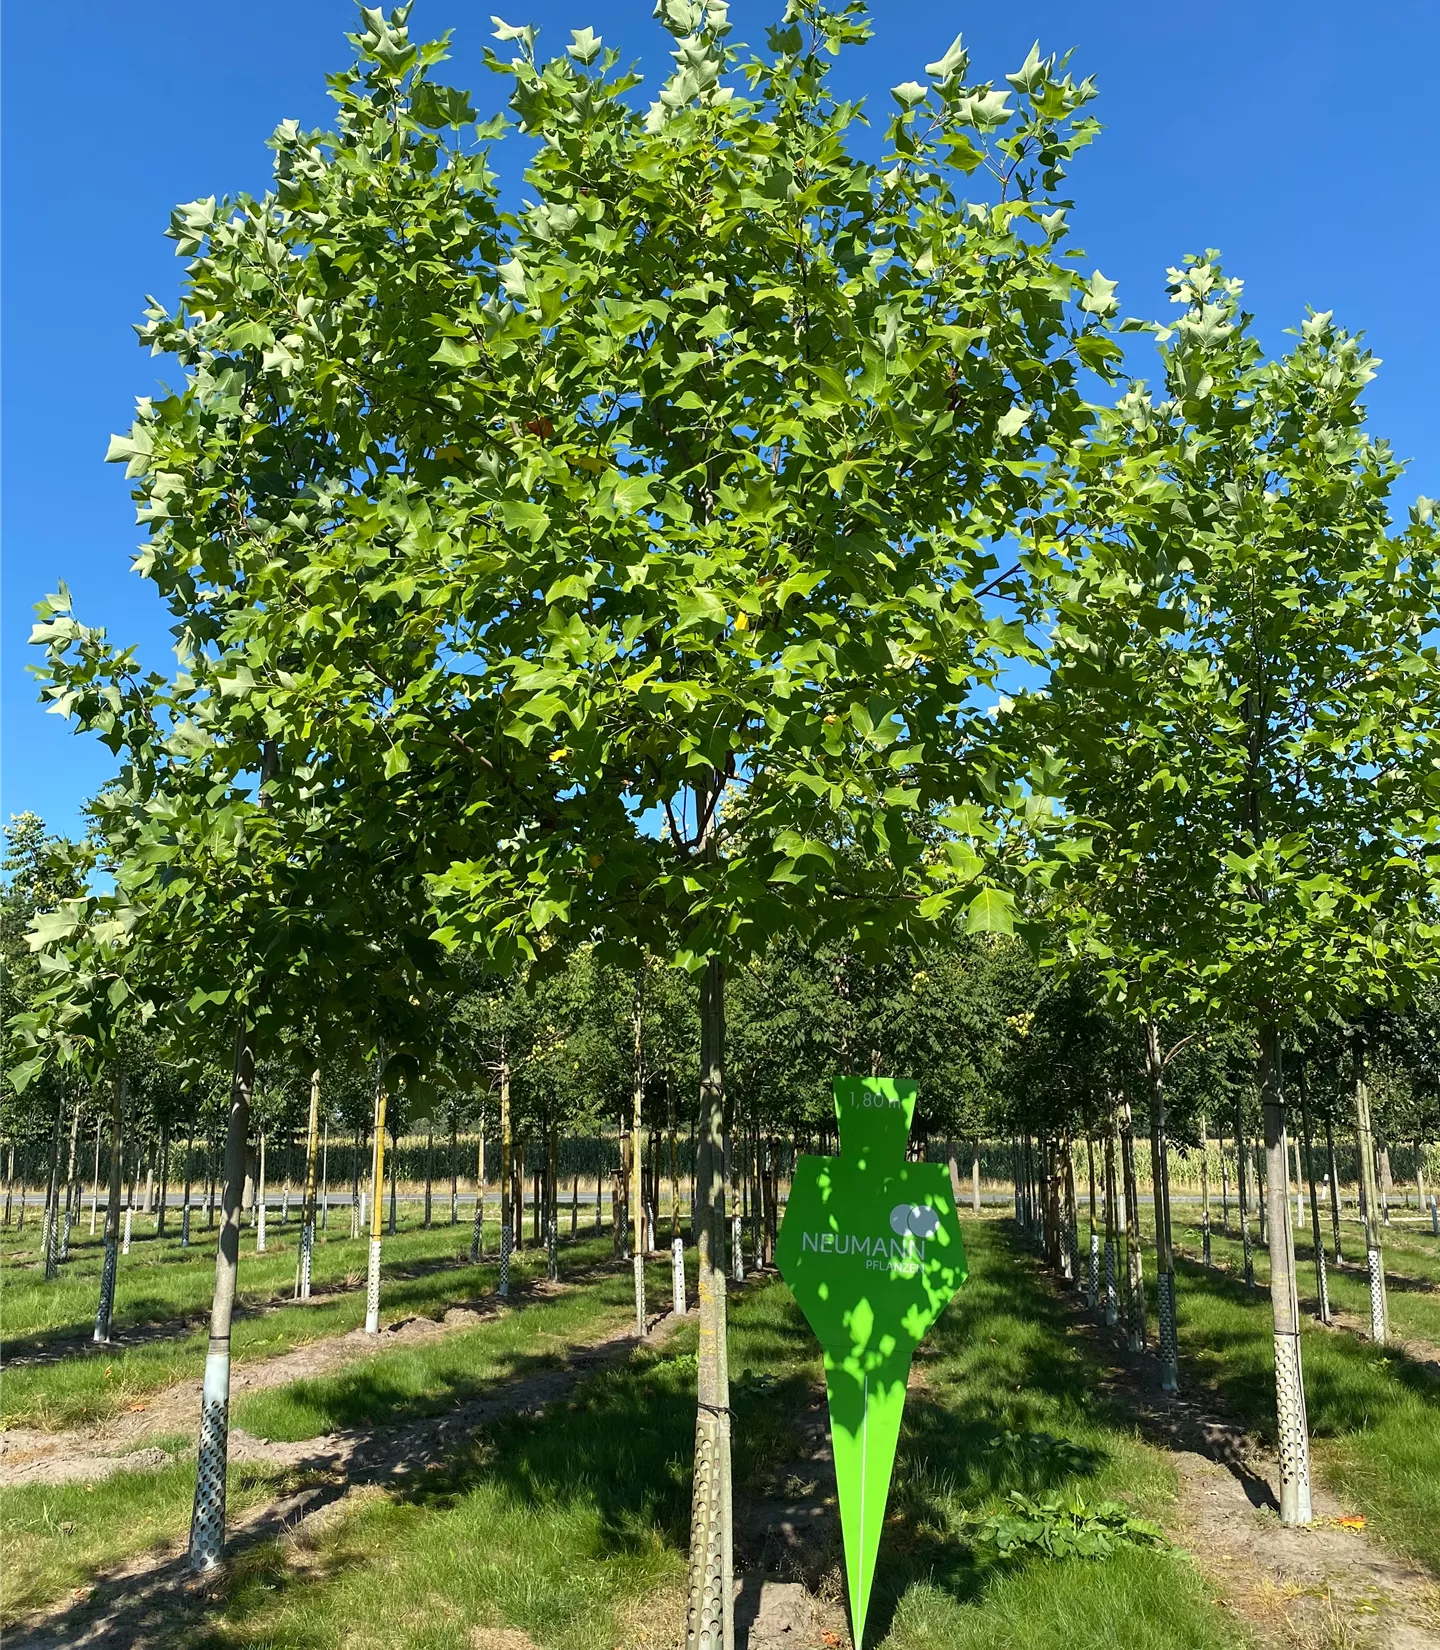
point(572, 1526)
point(423, 1273)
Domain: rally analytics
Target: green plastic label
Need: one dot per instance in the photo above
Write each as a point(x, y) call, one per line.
point(870, 1246)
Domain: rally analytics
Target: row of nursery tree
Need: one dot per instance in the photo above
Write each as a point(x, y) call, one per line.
point(750, 566)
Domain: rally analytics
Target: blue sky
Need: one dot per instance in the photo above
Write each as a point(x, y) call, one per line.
point(1298, 138)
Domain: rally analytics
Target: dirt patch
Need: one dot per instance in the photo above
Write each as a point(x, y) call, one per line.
point(85, 1454)
point(1322, 1588)
point(785, 1615)
point(500, 1638)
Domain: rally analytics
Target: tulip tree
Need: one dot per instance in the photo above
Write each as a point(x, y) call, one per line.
point(1244, 693)
point(687, 492)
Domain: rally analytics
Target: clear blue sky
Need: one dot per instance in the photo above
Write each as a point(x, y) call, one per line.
point(1301, 139)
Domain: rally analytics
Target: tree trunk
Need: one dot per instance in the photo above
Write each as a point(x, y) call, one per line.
point(1387, 1182)
point(429, 1173)
point(260, 1200)
point(72, 1188)
point(1291, 1425)
point(164, 1180)
point(674, 1167)
point(1092, 1271)
point(975, 1179)
point(710, 1611)
point(377, 1201)
point(307, 1212)
point(325, 1177)
point(1204, 1190)
point(477, 1234)
point(207, 1522)
point(1241, 1193)
point(507, 1184)
point(1334, 1187)
point(1112, 1237)
point(552, 1211)
point(1134, 1263)
point(1160, 1191)
point(1322, 1282)
point(1072, 1219)
point(1224, 1188)
point(104, 1309)
point(1370, 1202)
point(394, 1177)
point(454, 1171)
point(50, 1225)
point(185, 1194)
point(637, 1182)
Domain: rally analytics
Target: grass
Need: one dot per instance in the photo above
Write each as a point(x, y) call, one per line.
point(1374, 1413)
point(429, 1378)
point(55, 1540)
point(424, 1273)
point(571, 1526)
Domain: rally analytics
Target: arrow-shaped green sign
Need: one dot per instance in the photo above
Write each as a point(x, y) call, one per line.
point(870, 1247)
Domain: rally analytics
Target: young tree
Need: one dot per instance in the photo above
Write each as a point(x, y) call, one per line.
point(1244, 691)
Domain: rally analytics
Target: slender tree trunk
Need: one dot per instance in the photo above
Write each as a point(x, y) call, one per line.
point(1092, 1273)
point(307, 1214)
point(637, 1182)
point(454, 1171)
point(1224, 1188)
point(50, 1224)
point(260, 1200)
point(1387, 1181)
point(1072, 1219)
point(1134, 1263)
point(185, 1194)
point(1322, 1282)
point(477, 1234)
point(394, 1177)
point(710, 1612)
point(1292, 1427)
point(552, 1211)
point(325, 1177)
point(72, 1186)
point(1204, 1190)
point(507, 1186)
point(94, 1185)
point(106, 1307)
point(377, 1201)
point(1242, 1194)
point(1369, 1202)
point(1334, 1187)
point(975, 1178)
point(10, 1180)
point(164, 1180)
point(1112, 1237)
point(429, 1173)
point(207, 1522)
point(1160, 1191)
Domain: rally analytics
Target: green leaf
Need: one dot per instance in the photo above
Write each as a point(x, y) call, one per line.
point(992, 911)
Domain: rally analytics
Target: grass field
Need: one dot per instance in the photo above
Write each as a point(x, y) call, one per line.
point(571, 1526)
point(161, 1284)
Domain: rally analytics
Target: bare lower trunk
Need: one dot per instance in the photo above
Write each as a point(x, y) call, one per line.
point(975, 1179)
point(1242, 1194)
point(106, 1306)
point(50, 1221)
point(1160, 1191)
point(1205, 1191)
point(1134, 1264)
point(207, 1522)
point(1322, 1281)
point(307, 1214)
point(637, 1179)
point(477, 1235)
point(377, 1200)
point(1291, 1425)
point(710, 1612)
point(507, 1185)
point(1334, 1187)
point(1112, 1237)
point(1370, 1203)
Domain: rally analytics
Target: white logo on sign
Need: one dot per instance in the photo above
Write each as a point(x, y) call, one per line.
point(915, 1219)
